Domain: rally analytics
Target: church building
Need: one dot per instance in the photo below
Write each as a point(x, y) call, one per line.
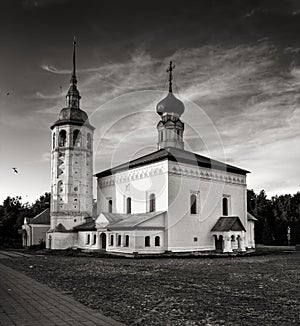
point(170, 201)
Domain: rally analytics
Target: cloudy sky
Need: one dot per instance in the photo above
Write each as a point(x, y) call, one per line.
point(237, 71)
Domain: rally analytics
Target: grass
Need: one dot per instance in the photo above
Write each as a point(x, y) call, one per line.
point(257, 290)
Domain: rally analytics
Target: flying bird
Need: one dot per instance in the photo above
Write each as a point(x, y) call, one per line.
point(15, 170)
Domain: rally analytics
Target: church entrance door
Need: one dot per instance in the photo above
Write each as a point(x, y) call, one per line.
point(103, 240)
point(219, 243)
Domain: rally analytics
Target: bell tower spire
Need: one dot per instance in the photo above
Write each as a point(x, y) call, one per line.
point(73, 96)
point(73, 78)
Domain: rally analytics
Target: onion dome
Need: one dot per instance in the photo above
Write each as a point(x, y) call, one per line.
point(170, 104)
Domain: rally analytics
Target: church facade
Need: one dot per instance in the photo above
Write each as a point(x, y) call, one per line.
point(168, 201)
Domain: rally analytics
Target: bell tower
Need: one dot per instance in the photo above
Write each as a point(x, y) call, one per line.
point(170, 128)
point(71, 168)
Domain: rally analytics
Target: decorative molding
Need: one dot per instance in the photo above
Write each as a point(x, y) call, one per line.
point(172, 168)
point(206, 173)
point(133, 174)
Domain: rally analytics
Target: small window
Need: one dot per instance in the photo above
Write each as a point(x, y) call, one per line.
point(110, 206)
point(193, 204)
point(62, 141)
point(119, 240)
point(157, 241)
point(111, 240)
point(195, 239)
point(88, 239)
point(225, 206)
point(128, 205)
point(147, 241)
point(127, 241)
point(152, 203)
point(94, 239)
point(161, 136)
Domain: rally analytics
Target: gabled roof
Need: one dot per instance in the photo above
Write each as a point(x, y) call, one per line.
point(228, 223)
point(86, 226)
point(174, 155)
point(251, 217)
point(117, 221)
point(42, 218)
point(60, 228)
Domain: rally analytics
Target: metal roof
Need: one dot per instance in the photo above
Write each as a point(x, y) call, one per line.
point(174, 155)
point(228, 223)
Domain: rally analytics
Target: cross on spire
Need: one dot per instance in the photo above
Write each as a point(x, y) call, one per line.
point(170, 71)
point(73, 78)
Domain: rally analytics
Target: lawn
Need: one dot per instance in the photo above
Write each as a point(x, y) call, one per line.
point(256, 290)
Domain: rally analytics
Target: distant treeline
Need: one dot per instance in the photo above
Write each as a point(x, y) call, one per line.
point(274, 217)
point(278, 219)
point(12, 213)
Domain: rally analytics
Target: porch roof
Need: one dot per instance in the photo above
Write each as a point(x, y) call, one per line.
point(117, 221)
point(228, 223)
point(86, 226)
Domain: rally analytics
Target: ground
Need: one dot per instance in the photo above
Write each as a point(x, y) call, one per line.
point(256, 290)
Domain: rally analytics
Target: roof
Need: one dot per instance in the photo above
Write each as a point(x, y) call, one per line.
point(86, 226)
point(117, 221)
point(228, 223)
point(42, 218)
point(251, 217)
point(174, 155)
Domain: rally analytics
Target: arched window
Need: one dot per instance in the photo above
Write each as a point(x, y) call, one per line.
point(60, 186)
point(157, 241)
point(112, 240)
point(152, 203)
point(53, 141)
point(127, 241)
point(88, 141)
point(128, 205)
point(119, 240)
point(110, 206)
point(193, 204)
point(76, 138)
point(94, 239)
point(225, 206)
point(147, 241)
point(88, 239)
point(62, 141)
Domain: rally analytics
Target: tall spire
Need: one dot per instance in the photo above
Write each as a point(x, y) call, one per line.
point(170, 71)
point(73, 78)
point(73, 96)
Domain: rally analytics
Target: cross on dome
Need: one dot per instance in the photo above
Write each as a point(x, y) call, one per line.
point(170, 71)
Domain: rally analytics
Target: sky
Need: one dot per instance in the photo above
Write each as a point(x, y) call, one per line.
point(237, 72)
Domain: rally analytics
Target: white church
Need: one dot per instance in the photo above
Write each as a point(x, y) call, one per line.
point(170, 201)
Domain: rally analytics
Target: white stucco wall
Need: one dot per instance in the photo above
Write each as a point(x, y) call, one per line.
point(189, 232)
point(137, 184)
point(136, 241)
point(61, 240)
